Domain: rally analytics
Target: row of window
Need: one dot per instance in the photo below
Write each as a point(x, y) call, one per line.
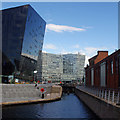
point(111, 66)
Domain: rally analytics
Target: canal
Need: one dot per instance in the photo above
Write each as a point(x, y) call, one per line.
point(68, 107)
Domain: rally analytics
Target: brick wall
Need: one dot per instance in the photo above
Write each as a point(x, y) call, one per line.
point(101, 56)
point(112, 80)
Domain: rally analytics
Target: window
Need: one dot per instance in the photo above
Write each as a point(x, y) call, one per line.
point(92, 76)
point(116, 66)
point(35, 40)
point(111, 67)
point(35, 46)
point(103, 74)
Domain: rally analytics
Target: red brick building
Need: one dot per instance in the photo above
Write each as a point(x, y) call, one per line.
point(104, 70)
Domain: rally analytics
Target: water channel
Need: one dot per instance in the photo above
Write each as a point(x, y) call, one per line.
point(68, 107)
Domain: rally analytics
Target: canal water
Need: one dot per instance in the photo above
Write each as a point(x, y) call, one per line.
point(68, 107)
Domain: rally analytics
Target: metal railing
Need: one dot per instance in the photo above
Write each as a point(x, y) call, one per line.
point(107, 94)
point(110, 95)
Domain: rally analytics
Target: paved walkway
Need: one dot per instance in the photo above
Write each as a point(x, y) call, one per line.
point(92, 91)
point(106, 95)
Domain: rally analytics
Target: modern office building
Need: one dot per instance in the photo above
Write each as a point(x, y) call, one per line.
point(73, 67)
point(52, 67)
point(22, 40)
point(64, 67)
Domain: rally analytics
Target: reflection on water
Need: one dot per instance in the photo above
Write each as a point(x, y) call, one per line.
point(68, 107)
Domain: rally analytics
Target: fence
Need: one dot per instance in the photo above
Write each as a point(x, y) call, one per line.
point(110, 95)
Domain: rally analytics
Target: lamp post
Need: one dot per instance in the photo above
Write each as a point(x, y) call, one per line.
point(34, 72)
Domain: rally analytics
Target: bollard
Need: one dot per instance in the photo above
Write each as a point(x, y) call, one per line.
point(42, 95)
point(42, 90)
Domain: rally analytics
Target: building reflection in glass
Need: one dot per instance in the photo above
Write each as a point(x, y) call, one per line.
point(22, 40)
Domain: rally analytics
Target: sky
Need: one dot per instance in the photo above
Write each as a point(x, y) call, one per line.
point(73, 27)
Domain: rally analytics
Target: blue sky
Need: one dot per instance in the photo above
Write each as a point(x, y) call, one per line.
point(83, 27)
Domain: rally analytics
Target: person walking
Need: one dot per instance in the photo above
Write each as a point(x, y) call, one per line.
point(35, 84)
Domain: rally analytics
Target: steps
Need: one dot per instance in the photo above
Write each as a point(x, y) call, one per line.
point(21, 90)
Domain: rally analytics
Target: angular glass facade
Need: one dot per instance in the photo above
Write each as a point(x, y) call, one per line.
point(22, 40)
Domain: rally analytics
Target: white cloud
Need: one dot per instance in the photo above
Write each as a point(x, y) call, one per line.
point(76, 46)
point(50, 46)
point(64, 52)
point(86, 60)
point(90, 52)
point(44, 51)
point(87, 51)
point(61, 28)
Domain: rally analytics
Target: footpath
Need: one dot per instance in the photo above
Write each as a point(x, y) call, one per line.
point(110, 96)
point(105, 103)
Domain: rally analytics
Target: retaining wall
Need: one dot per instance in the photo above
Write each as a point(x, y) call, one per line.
point(22, 90)
point(100, 108)
point(18, 93)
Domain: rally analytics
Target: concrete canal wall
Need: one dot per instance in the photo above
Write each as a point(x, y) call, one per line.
point(101, 108)
point(27, 93)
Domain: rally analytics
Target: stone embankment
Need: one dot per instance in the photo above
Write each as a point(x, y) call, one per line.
point(28, 93)
point(103, 108)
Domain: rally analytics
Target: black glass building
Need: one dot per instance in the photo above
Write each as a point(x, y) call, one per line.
point(22, 40)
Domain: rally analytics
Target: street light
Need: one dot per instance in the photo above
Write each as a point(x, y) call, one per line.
point(34, 72)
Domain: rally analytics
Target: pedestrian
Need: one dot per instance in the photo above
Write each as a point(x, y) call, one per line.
point(35, 84)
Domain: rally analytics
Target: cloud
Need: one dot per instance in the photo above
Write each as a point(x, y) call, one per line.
point(76, 46)
point(63, 51)
point(50, 46)
point(61, 28)
point(86, 60)
point(44, 51)
point(90, 52)
point(87, 51)
point(88, 27)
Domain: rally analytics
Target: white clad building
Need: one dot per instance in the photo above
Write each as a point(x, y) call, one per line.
point(65, 67)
